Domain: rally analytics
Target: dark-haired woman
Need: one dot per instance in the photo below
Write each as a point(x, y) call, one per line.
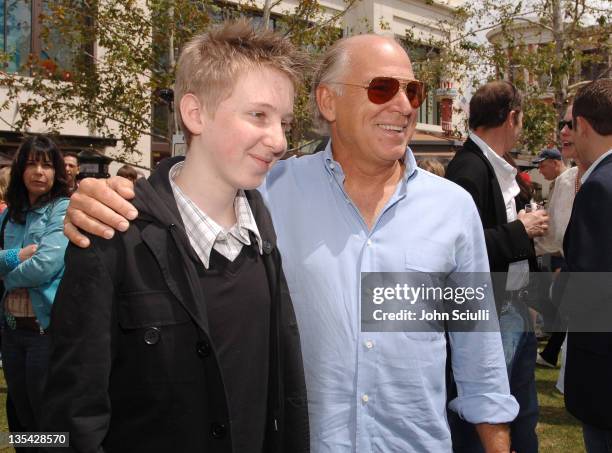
point(31, 264)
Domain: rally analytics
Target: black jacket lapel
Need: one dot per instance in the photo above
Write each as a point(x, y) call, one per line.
point(156, 205)
point(180, 276)
point(498, 199)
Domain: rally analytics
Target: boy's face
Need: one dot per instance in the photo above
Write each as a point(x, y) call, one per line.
point(246, 136)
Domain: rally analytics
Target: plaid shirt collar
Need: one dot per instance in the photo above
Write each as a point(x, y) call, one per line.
point(203, 232)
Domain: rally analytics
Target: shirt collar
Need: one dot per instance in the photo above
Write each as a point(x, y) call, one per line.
point(333, 167)
point(245, 221)
point(505, 173)
point(39, 209)
point(502, 168)
point(594, 165)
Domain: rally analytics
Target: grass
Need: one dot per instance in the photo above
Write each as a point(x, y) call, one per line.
point(3, 422)
point(558, 431)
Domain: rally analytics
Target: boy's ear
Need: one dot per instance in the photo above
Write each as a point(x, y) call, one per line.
point(192, 112)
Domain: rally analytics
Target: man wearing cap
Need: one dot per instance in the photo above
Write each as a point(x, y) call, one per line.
point(550, 165)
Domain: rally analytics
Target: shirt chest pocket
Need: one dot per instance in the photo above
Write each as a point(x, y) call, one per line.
point(36, 228)
point(156, 337)
point(146, 309)
point(428, 257)
point(35, 235)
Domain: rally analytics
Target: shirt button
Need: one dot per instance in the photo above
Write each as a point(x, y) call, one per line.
point(369, 242)
point(203, 348)
point(267, 247)
point(332, 166)
point(218, 430)
point(365, 398)
point(369, 344)
point(152, 335)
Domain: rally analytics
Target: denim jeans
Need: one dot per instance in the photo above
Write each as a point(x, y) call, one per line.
point(512, 329)
point(596, 440)
point(520, 349)
point(25, 356)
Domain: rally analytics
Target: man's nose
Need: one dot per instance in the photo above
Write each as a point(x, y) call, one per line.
point(401, 100)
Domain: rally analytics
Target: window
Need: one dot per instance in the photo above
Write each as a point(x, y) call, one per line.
point(21, 36)
point(424, 60)
point(16, 36)
point(594, 64)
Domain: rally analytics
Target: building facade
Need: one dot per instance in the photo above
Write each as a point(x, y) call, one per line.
point(20, 37)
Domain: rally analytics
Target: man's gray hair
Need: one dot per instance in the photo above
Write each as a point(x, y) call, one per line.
point(331, 68)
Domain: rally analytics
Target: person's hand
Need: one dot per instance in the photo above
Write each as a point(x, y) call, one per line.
point(535, 222)
point(27, 252)
point(99, 207)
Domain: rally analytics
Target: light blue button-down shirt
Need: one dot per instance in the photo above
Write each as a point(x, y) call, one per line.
point(381, 392)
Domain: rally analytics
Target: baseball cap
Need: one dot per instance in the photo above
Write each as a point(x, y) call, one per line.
point(550, 153)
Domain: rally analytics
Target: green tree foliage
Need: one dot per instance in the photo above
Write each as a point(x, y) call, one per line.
point(121, 62)
point(543, 46)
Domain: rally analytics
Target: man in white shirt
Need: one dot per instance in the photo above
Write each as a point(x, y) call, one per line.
point(550, 165)
point(479, 167)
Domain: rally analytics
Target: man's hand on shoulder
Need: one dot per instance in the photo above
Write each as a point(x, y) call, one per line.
point(99, 207)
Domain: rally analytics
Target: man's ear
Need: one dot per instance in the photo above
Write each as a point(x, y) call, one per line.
point(326, 101)
point(192, 112)
point(583, 127)
point(513, 118)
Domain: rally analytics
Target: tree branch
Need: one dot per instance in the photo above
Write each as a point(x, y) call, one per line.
point(98, 114)
point(545, 27)
point(335, 17)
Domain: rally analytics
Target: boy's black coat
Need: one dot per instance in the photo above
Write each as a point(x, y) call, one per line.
point(132, 366)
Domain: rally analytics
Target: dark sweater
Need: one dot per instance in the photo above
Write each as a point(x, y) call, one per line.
point(238, 306)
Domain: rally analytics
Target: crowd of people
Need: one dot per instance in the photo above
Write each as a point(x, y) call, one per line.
point(217, 305)
point(34, 194)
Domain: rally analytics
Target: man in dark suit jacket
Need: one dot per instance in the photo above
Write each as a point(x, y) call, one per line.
point(588, 254)
point(480, 168)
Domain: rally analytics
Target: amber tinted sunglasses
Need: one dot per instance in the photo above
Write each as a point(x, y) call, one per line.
point(383, 89)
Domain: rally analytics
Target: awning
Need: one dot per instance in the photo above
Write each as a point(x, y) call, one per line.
point(434, 145)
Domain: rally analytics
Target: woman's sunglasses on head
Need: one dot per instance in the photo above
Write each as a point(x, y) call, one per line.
point(383, 89)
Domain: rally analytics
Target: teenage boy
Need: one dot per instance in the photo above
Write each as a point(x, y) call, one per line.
point(179, 334)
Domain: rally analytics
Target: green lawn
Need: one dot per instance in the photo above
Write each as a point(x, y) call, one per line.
point(3, 423)
point(558, 431)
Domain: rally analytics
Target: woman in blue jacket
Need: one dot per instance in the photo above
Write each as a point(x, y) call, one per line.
point(31, 265)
